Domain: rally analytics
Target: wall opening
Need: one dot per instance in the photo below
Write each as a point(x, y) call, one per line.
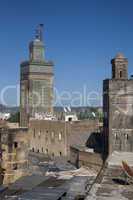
point(46, 151)
point(70, 119)
point(34, 134)
point(15, 145)
point(15, 166)
point(120, 74)
point(60, 136)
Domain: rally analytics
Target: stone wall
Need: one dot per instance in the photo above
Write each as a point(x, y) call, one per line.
point(14, 147)
point(55, 137)
point(80, 157)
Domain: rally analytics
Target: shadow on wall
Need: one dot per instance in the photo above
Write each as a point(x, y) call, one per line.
point(95, 141)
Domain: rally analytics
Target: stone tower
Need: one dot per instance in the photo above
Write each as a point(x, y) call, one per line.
point(119, 67)
point(36, 82)
point(118, 108)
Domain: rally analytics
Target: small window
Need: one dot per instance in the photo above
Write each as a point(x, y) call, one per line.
point(15, 145)
point(34, 133)
point(52, 154)
point(116, 136)
point(120, 74)
point(46, 151)
point(33, 149)
point(60, 153)
point(60, 136)
point(39, 134)
point(15, 166)
point(126, 136)
point(70, 119)
point(42, 149)
point(52, 135)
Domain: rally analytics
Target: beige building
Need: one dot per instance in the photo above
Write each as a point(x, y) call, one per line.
point(54, 138)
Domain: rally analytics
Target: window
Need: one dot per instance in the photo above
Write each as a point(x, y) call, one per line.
point(116, 136)
point(39, 134)
point(15, 166)
point(52, 135)
point(70, 119)
point(60, 136)
point(120, 74)
point(60, 153)
point(15, 145)
point(33, 149)
point(126, 136)
point(46, 151)
point(34, 133)
point(42, 149)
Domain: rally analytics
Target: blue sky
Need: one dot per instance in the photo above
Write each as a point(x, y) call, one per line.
point(81, 37)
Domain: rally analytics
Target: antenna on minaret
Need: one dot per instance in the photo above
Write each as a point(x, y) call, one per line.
point(39, 32)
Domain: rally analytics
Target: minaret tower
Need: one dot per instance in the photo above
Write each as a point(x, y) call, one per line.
point(119, 67)
point(117, 108)
point(36, 84)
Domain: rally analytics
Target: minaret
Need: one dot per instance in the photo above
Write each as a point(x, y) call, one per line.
point(119, 67)
point(36, 47)
point(36, 84)
point(117, 108)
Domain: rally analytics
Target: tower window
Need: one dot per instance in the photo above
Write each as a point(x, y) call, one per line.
point(120, 73)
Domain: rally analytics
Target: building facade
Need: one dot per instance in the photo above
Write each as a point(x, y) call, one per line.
point(36, 84)
point(118, 108)
point(54, 138)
